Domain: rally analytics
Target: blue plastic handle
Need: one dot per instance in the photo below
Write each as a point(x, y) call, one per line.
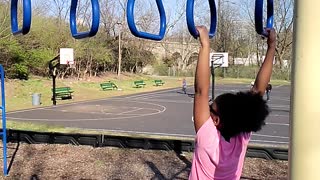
point(26, 17)
point(259, 16)
point(145, 35)
point(94, 24)
point(190, 20)
point(4, 121)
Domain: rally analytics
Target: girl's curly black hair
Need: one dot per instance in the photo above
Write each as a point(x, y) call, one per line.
point(241, 112)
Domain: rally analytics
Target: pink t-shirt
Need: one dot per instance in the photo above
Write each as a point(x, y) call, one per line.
point(215, 158)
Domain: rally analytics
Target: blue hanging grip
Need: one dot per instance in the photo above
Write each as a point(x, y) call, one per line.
point(94, 24)
point(145, 35)
point(26, 17)
point(190, 19)
point(258, 16)
point(4, 121)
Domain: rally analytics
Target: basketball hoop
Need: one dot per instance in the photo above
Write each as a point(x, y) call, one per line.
point(218, 60)
point(72, 66)
point(66, 56)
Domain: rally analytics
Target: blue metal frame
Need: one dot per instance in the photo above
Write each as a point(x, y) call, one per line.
point(26, 17)
point(94, 24)
point(190, 20)
point(4, 123)
point(258, 16)
point(132, 25)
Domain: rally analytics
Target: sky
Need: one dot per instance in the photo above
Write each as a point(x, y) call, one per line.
point(173, 8)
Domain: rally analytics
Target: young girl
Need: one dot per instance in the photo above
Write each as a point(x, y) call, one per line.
point(184, 86)
point(268, 90)
point(224, 127)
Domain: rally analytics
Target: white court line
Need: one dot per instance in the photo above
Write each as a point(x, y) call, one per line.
point(90, 101)
point(151, 93)
point(97, 113)
point(280, 98)
point(279, 106)
point(159, 100)
point(166, 101)
point(137, 109)
point(77, 103)
point(103, 110)
point(97, 119)
point(279, 86)
point(158, 95)
point(279, 115)
point(237, 90)
point(126, 107)
point(91, 119)
point(149, 96)
point(275, 142)
point(229, 90)
point(278, 124)
point(270, 136)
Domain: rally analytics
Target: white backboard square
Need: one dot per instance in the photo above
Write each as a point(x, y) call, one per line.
point(66, 56)
point(219, 59)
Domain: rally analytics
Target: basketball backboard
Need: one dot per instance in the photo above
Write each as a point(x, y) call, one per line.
point(66, 56)
point(219, 59)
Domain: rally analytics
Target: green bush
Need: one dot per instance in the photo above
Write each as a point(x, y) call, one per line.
point(161, 69)
point(283, 74)
point(186, 73)
point(250, 72)
point(18, 71)
point(237, 72)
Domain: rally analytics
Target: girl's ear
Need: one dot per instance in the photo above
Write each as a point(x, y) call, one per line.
point(216, 120)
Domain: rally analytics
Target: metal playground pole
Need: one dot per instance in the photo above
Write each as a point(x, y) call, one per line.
point(304, 154)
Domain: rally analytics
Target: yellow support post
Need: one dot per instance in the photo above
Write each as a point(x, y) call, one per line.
point(304, 159)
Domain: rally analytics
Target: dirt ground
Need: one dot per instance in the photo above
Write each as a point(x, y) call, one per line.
point(45, 161)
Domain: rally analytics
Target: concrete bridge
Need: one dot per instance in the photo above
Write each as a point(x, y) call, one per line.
point(187, 52)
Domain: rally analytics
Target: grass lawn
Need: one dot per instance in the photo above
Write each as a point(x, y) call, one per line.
point(19, 93)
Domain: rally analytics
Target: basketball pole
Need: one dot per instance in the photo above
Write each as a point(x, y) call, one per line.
point(53, 69)
point(213, 85)
point(304, 153)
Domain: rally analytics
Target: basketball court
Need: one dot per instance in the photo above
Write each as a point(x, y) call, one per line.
point(167, 112)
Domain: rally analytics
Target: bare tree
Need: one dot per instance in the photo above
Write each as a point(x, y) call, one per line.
point(227, 28)
point(283, 24)
point(57, 8)
point(109, 16)
point(4, 19)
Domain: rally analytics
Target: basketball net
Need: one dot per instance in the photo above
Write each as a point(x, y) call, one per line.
point(71, 65)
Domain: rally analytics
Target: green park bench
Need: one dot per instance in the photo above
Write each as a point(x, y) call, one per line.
point(158, 82)
point(139, 84)
point(108, 86)
point(63, 92)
